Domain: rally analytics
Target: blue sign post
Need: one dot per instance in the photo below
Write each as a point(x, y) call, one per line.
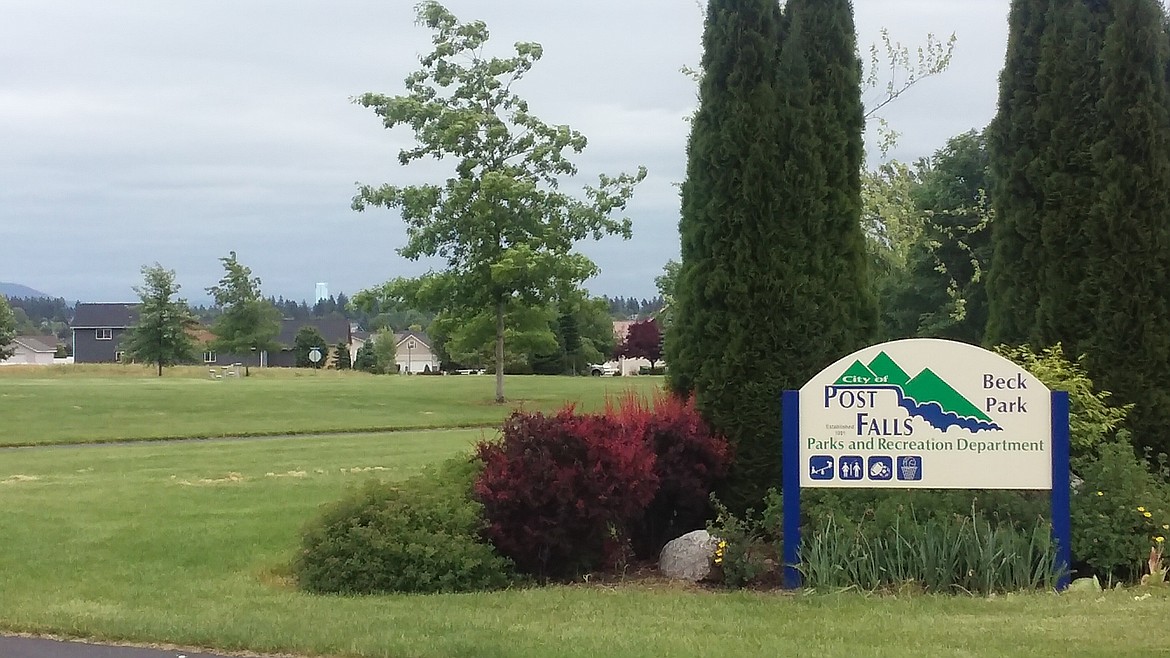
point(967, 419)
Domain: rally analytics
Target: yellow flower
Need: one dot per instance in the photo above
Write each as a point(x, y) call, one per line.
point(1141, 509)
point(1166, 526)
point(1100, 493)
point(1147, 514)
point(1159, 539)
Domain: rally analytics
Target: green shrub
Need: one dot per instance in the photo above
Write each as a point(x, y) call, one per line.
point(1118, 512)
point(882, 509)
point(421, 535)
point(938, 554)
point(743, 556)
point(1092, 421)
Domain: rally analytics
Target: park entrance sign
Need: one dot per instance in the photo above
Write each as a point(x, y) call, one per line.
point(925, 413)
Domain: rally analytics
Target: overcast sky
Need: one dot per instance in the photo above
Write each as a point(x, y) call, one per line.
point(136, 131)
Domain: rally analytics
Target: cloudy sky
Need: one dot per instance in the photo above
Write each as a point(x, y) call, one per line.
point(136, 131)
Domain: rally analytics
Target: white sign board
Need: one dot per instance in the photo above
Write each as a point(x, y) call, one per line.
point(925, 413)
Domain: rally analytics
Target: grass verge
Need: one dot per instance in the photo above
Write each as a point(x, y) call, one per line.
point(119, 403)
point(182, 543)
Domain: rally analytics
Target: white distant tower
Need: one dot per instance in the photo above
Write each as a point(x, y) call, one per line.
point(322, 292)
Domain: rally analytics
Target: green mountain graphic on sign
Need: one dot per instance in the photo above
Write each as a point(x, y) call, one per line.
point(929, 387)
point(925, 395)
point(883, 366)
point(857, 374)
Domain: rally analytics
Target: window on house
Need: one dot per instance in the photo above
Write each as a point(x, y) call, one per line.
point(105, 334)
point(209, 357)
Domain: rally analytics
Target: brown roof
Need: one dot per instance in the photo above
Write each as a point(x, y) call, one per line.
point(37, 343)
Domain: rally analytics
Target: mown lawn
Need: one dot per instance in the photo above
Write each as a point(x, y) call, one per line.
point(184, 543)
point(79, 405)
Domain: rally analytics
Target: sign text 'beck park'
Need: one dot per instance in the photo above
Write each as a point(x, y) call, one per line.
point(925, 413)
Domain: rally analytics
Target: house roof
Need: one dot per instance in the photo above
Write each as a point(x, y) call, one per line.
point(113, 316)
point(400, 337)
point(333, 330)
point(37, 343)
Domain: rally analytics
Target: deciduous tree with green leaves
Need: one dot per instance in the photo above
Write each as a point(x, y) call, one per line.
point(160, 337)
point(248, 323)
point(502, 223)
point(7, 329)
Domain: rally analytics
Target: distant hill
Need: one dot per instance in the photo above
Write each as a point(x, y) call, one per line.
point(17, 290)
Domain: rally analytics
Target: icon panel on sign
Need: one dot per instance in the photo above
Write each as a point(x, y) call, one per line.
point(910, 467)
point(851, 467)
point(881, 468)
point(820, 467)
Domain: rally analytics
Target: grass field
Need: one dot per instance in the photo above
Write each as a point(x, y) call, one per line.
point(184, 543)
point(40, 405)
point(187, 542)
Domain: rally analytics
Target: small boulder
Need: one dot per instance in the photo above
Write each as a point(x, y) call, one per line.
point(688, 557)
point(1085, 585)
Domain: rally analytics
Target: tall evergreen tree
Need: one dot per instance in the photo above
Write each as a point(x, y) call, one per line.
point(1014, 142)
point(1069, 92)
point(772, 285)
point(728, 213)
point(829, 43)
point(1129, 266)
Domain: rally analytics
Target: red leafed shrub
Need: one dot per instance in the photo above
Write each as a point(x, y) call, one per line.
point(560, 492)
point(690, 461)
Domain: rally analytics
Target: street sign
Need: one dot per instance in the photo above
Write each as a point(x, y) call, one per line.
point(926, 413)
point(315, 355)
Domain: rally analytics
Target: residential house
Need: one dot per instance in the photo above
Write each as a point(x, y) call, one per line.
point(358, 338)
point(333, 330)
point(98, 331)
point(414, 352)
point(33, 350)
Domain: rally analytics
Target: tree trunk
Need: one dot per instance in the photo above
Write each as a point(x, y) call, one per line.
point(500, 352)
point(160, 368)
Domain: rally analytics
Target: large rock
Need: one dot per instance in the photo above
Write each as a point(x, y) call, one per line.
point(688, 557)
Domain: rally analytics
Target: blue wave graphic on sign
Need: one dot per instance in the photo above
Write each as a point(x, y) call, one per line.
point(932, 412)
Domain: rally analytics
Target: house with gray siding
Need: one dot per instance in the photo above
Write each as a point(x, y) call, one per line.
point(98, 331)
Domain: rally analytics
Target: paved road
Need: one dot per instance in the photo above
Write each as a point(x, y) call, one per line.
point(29, 647)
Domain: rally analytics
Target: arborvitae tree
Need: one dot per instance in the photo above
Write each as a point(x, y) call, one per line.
point(1014, 143)
point(1067, 111)
point(1129, 235)
point(772, 286)
point(689, 336)
point(732, 175)
point(838, 119)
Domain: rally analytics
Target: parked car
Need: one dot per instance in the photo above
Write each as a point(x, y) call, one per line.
point(602, 370)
